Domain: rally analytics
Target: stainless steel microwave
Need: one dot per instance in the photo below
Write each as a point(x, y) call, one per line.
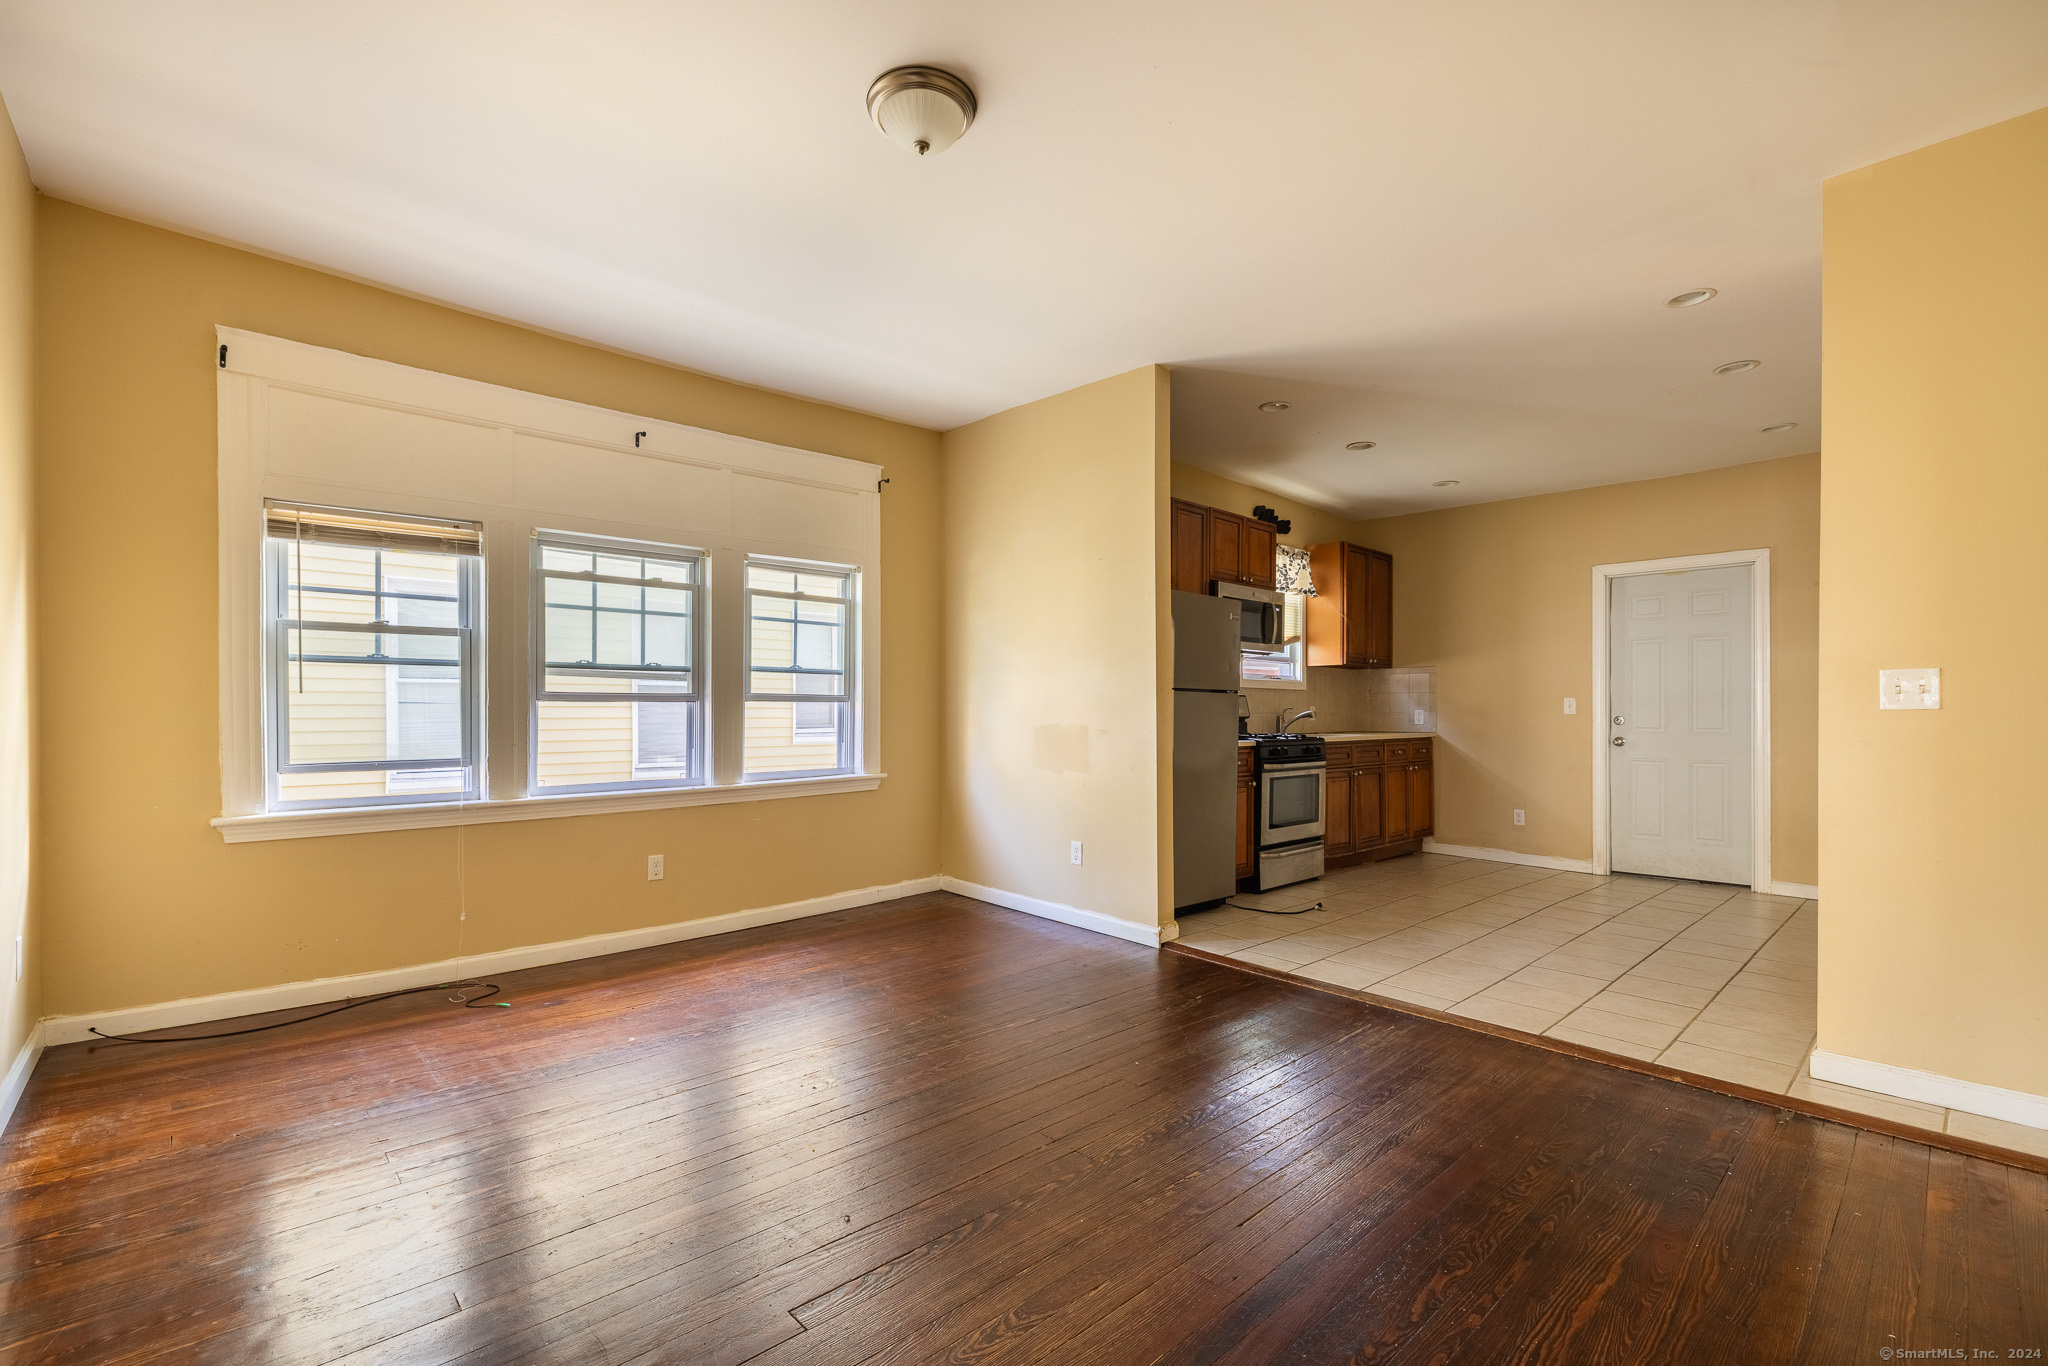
point(1261, 617)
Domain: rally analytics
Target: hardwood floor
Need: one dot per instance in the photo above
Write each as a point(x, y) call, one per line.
point(937, 1131)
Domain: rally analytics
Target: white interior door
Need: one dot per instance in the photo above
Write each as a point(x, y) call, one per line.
point(1681, 717)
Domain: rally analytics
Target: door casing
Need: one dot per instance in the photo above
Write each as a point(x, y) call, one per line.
point(1759, 562)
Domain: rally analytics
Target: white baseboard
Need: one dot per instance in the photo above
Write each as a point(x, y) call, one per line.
point(1931, 1088)
point(1799, 889)
point(231, 1004)
point(18, 1074)
point(1562, 865)
point(1066, 915)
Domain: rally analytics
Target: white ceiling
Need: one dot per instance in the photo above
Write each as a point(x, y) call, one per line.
point(1445, 227)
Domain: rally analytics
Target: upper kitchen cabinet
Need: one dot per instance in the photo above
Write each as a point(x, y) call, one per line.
point(1210, 544)
point(1256, 567)
point(1351, 618)
point(1189, 532)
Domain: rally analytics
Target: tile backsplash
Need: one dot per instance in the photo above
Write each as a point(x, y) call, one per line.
point(1352, 699)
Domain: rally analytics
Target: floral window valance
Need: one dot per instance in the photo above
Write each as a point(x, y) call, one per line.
point(1290, 571)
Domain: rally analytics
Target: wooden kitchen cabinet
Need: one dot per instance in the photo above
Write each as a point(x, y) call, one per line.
point(1189, 530)
point(1350, 622)
point(1256, 560)
point(1226, 545)
point(1247, 851)
point(1210, 544)
point(1337, 828)
point(1422, 797)
point(1378, 800)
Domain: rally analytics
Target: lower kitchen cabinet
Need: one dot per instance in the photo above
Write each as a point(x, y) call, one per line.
point(1379, 800)
point(1247, 855)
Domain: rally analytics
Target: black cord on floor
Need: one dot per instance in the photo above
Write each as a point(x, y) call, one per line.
point(468, 1003)
point(1263, 911)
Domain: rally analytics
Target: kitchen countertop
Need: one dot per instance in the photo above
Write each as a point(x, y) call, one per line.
point(1349, 735)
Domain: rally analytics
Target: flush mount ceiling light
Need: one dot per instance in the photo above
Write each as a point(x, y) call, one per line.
point(922, 109)
point(1445, 484)
point(1777, 427)
point(1690, 297)
point(1360, 445)
point(1278, 405)
point(1737, 367)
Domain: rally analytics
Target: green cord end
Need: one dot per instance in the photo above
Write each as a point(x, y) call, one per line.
point(502, 1005)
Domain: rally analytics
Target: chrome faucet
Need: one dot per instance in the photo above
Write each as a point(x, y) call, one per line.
point(1305, 714)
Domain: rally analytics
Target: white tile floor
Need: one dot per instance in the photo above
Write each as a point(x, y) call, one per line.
point(1706, 978)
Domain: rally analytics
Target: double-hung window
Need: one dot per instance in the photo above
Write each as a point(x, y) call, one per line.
point(800, 676)
point(370, 657)
point(616, 701)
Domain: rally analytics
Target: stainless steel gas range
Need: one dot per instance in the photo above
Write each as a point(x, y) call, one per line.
point(1287, 771)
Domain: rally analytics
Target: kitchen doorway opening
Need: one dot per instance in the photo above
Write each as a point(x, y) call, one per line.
point(1681, 679)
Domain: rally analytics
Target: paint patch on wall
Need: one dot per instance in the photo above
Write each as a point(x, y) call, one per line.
point(1060, 749)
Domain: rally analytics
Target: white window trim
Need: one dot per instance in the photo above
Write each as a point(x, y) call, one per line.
point(854, 661)
point(1296, 684)
point(729, 521)
point(290, 825)
point(700, 694)
point(275, 652)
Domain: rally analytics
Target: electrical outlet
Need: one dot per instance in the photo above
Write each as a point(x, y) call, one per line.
point(1421, 717)
point(654, 869)
point(1074, 854)
point(1521, 816)
point(1571, 706)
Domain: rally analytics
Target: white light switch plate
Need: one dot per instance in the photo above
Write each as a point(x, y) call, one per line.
point(1909, 689)
point(1571, 706)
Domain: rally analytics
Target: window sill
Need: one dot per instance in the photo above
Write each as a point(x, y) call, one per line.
point(1273, 684)
point(292, 825)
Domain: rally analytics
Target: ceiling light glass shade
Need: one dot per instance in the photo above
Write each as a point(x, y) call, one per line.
point(923, 109)
point(1360, 445)
point(1737, 367)
point(1690, 298)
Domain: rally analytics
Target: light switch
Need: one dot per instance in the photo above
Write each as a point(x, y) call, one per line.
point(1909, 689)
point(1571, 706)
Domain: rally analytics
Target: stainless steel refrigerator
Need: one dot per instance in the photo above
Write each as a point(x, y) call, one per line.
point(1206, 657)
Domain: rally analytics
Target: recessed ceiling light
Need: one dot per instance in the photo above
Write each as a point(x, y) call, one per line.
point(1690, 297)
point(1778, 427)
point(1360, 445)
point(1737, 367)
point(1277, 405)
point(1445, 484)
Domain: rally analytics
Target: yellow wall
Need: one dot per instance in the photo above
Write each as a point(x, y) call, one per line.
point(1497, 598)
point(1054, 694)
point(1309, 525)
point(20, 1006)
point(142, 900)
point(1934, 942)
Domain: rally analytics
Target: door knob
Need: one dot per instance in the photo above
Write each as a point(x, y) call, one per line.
point(1619, 742)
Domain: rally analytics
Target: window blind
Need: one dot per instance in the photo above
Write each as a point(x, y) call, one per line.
point(341, 526)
